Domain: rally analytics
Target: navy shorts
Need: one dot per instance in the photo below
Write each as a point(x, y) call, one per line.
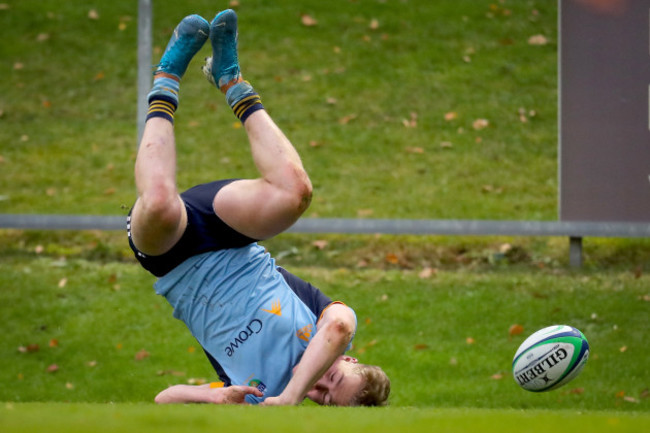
point(205, 231)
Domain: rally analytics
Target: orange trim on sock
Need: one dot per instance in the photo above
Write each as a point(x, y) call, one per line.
point(231, 83)
point(166, 75)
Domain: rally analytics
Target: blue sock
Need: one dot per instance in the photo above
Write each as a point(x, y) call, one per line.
point(163, 98)
point(243, 100)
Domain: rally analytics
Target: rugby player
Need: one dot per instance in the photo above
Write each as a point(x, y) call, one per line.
point(271, 337)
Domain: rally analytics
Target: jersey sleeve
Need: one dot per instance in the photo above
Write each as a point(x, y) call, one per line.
point(313, 298)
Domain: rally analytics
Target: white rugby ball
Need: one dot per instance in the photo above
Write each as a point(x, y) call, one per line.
point(550, 358)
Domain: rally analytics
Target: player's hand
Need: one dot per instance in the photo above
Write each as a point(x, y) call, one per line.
point(279, 401)
point(235, 394)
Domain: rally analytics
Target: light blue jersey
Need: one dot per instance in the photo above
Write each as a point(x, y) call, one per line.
point(244, 314)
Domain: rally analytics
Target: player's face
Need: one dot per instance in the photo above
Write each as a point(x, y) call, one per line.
point(339, 385)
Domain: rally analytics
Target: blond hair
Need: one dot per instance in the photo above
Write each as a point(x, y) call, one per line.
point(376, 386)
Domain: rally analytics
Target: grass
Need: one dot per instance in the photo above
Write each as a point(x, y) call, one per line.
point(441, 330)
point(145, 418)
point(68, 105)
point(364, 97)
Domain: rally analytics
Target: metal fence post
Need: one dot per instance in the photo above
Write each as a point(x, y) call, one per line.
point(575, 251)
point(144, 61)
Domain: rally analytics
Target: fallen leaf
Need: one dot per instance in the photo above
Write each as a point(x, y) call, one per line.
point(480, 124)
point(416, 150)
point(623, 349)
point(537, 40)
point(412, 122)
point(314, 143)
point(446, 144)
point(47, 104)
point(453, 361)
point(470, 340)
point(191, 349)
point(119, 346)
point(91, 363)
point(515, 329)
point(50, 192)
point(99, 76)
point(384, 298)
point(42, 37)
point(392, 258)
point(497, 376)
point(421, 346)
point(336, 49)
point(52, 368)
point(121, 26)
point(4, 7)
point(109, 191)
point(365, 212)
point(320, 244)
point(63, 282)
point(577, 391)
point(234, 4)
point(24, 138)
point(368, 321)
point(452, 115)
point(346, 119)
point(196, 381)
point(308, 21)
point(331, 101)
point(620, 394)
point(93, 14)
point(142, 354)
point(69, 385)
point(374, 24)
point(18, 66)
point(427, 272)
point(630, 399)
point(54, 342)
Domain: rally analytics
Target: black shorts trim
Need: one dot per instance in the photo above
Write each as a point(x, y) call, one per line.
point(205, 231)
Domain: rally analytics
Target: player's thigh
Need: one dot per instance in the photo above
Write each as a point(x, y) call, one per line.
point(255, 208)
point(155, 230)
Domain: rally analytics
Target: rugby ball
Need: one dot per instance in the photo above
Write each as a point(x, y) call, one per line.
point(550, 358)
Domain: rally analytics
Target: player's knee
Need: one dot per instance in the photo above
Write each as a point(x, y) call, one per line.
point(161, 204)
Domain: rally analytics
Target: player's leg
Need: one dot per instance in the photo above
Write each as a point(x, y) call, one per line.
point(159, 218)
point(263, 207)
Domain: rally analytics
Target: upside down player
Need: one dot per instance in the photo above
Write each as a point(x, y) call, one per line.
point(271, 337)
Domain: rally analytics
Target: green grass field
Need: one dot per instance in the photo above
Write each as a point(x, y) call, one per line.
point(147, 418)
point(382, 99)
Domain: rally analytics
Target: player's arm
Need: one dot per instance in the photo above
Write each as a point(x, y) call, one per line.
point(335, 331)
point(206, 394)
